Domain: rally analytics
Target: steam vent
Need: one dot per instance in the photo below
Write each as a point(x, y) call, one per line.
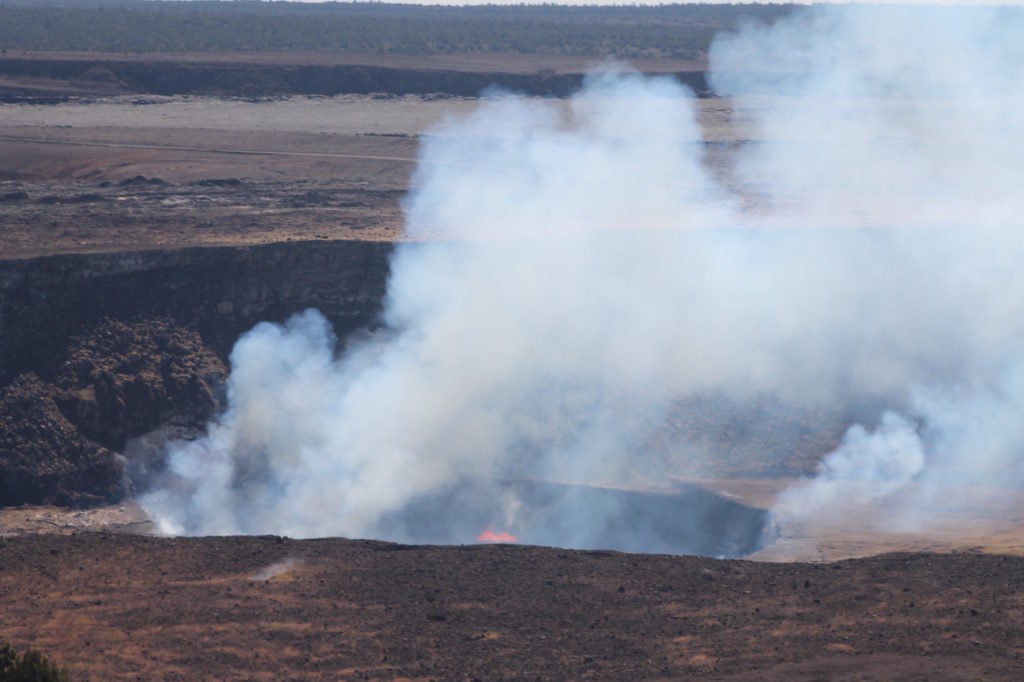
point(689, 520)
point(78, 297)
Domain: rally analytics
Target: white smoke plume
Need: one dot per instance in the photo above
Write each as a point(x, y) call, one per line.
point(908, 120)
point(578, 273)
point(887, 115)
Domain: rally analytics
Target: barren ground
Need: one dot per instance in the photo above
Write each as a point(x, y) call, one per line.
point(134, 172)
point(129, 607)
point(117, 176)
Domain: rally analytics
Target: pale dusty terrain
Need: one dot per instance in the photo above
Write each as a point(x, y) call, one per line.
point(230, 171)
point(55, 159)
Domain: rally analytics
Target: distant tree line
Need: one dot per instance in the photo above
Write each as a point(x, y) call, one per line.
point(680, 31)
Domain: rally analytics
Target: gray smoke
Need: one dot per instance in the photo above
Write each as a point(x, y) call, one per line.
point(578, 276)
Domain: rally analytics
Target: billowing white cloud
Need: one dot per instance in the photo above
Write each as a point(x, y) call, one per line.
point(581, 272)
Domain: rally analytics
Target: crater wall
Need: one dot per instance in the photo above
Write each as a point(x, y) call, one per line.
point(96, 349)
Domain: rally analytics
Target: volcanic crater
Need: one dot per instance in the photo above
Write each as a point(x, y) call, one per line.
point(132, 262)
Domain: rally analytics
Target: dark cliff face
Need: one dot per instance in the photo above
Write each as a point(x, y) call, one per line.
point(257, 79)
point(97, 349)
point(218, 291)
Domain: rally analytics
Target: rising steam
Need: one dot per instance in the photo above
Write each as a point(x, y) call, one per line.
point(583, 279)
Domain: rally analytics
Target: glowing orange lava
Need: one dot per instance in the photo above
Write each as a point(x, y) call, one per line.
point(490, 536)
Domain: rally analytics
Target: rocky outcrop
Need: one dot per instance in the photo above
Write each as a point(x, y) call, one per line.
point(96, 350)
point(44, 457)
point(59, 439)
point(124, 379)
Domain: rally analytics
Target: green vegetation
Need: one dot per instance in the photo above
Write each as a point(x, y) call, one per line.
point(30, 666)
point(680, 31)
